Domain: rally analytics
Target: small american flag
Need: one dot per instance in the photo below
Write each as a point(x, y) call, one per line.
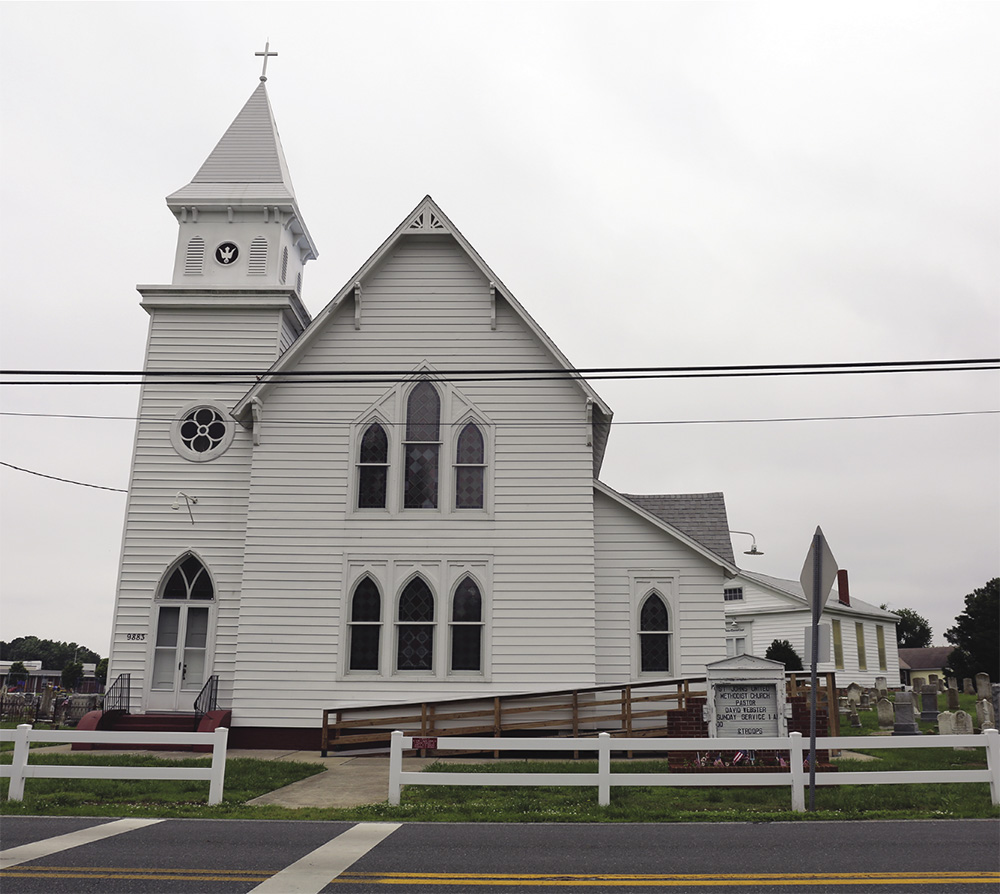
point(739, 756)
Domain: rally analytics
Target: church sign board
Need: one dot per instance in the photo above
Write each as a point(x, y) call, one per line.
point(746, 698)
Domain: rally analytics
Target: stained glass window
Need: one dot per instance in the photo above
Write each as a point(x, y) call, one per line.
point(470, 468)
point(423, 447)
point(366, 615)
point(654, 636)
point(415, 628)
point(373, 468)
point(467, 627)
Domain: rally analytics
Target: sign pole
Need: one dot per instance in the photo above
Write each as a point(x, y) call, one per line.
point(818, 573)
point(813, 676)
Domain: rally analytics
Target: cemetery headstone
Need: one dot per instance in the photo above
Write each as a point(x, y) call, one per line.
point(984, 714)
point(953, 682)
point(946, 723)
point(886, 716)
point(915, 684)
point(968, 687)
point(881, 687)
point(953, 703)
point(905, 725)
point(928, 702)
point(983, 686)
point(963, 725)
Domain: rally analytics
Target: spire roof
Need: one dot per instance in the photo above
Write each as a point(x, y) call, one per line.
point(248, 163)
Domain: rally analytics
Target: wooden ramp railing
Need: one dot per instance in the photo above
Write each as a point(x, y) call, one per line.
point(632, 709)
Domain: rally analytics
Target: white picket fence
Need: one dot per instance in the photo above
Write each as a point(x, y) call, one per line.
point(797, 777)
point(20, 769)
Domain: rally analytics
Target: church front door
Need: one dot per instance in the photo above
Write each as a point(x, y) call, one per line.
point(180, 657)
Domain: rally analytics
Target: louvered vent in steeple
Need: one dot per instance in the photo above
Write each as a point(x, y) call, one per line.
point(284, 264)
point(258, 256)
point(194, 260)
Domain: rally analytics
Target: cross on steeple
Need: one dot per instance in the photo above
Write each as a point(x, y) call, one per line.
point(265, 54)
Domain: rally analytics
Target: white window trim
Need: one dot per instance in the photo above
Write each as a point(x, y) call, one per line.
point(391, 575)
point(191, 455)
point(641, 584)
point(390, 412)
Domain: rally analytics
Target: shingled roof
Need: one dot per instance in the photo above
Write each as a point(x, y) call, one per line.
point(701, 516)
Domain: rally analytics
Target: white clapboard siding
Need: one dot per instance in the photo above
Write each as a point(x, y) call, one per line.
point(628, 546)
point(155, 535)
point(425, 304)
point(767, 616)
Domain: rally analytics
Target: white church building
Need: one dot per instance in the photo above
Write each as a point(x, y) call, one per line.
point(369, 506)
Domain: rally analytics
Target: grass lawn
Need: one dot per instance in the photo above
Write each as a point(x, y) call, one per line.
point(246, 779)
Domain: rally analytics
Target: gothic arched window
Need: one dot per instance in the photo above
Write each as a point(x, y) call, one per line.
point(415, 627)
point(654, 635)
point(422, 447)
point(470, 468)
point(365, 625)
point(467, 627)
point(373, 468)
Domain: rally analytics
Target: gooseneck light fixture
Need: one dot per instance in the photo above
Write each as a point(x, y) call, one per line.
point(753, 551)
point(188, 500)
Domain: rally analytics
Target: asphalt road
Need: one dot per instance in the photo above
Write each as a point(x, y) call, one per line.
point(51, 855)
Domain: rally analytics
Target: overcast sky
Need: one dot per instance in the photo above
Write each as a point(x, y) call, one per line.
point(658, 184)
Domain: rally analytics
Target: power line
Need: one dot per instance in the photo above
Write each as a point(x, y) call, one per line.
point(64, 480)
point(328, 376)
point(552, 423)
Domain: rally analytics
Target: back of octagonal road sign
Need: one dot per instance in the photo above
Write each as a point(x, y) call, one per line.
point(817, 590)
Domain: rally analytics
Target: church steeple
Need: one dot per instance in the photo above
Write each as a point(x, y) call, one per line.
point(240, 224)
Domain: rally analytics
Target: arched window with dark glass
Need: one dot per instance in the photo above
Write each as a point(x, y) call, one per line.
point(373, 468)
point(422, 447)
point(415, 627)
point(654, 635)
point(470, 468)
point(189, 580)
point(365, 625)
point(467, 627)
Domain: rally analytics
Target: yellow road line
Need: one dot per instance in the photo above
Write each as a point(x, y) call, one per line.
point(666, 881)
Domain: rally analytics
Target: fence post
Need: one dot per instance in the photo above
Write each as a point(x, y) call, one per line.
point(992, 762)
point(20, 760)
point(218, 779)
point(796, 757)
point(395, 766)
point(604, 769)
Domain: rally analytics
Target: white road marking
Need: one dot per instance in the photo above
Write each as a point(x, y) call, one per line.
point(48, 846)
point(317, 869)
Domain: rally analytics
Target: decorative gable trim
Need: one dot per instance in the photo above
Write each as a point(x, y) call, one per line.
point(427, 220)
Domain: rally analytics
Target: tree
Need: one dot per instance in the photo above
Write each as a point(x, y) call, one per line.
point(912, 630)
point(17, 674)
point(976, 634)
point(71, 675)
point(781, 650)
point(53, 655)
point(101, 671)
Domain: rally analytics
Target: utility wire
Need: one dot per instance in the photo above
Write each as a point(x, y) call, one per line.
point(220, 377)
point(614, 423)
point(64, 480)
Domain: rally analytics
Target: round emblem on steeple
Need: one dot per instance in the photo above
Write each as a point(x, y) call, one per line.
point(227, 253)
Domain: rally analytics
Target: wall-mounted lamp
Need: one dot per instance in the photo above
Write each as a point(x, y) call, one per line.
point(187, 501)
point(753, 551)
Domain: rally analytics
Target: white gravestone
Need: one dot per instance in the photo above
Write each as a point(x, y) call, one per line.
point(746, 698)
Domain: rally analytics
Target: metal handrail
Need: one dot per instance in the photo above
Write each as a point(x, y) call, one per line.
point(118, 696)
point(208, 698)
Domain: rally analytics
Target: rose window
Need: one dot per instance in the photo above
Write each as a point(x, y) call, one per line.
point(202, 430)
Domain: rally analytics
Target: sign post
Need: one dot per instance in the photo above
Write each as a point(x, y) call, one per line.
point(818, 574)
